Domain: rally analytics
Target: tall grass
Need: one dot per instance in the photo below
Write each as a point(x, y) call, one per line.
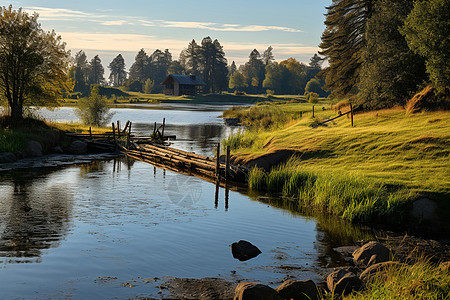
point(351, 197)
point(421, 280)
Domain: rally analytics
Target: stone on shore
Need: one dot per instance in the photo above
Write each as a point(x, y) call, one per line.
point(34, 149)
point(255, 291)
point(244, 250)
point(298, 290)
point(371, 253)
point(343, 282)
point(375, 269)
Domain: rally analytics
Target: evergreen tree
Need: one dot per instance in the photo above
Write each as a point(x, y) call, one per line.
point(232, 68)
point(220, 70)
point(79, 73)
point(268, 56)
point(118, 74)
point(342, 42)
point(176, 68)
point(159, 63)
point(190, 59)
point(96, 71)
point(254, 70)
point(390, 71)
point(139, 69)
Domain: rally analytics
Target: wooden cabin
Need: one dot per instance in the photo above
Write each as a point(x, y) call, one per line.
point(178, 85)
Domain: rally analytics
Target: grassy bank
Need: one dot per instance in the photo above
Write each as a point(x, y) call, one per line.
point(421, 280)
point(370, 172)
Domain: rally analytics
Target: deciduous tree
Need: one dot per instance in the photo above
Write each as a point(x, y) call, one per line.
point(33, 63)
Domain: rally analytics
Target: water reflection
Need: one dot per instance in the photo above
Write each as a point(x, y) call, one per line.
point(34, 215)
point(331, 231)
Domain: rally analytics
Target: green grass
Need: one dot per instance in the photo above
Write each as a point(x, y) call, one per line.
point(421, 280)
point(369, 172)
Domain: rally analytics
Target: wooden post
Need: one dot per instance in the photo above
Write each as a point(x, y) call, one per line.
point(351, 113)
point(114, 132)
point(118, 128)
point(216, 198)
point(90, 132)
point(301, 114)
point(218, 163)
point(129, 137)
point(163, 125)
point(313, 111)
point(227, 164)
point(154, 131)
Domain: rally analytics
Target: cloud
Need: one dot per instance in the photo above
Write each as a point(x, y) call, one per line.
point(115, 23)
point(61, 14)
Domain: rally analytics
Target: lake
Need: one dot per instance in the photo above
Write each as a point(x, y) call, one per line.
point(119, 228)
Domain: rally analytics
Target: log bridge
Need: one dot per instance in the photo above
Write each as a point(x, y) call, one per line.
point(217, 169)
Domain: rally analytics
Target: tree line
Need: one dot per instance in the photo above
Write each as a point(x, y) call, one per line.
point(380, 52)
point(206, 60)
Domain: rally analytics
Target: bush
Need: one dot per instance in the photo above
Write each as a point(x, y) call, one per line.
point(312, 97)
point(94, 109)
point(149, 85)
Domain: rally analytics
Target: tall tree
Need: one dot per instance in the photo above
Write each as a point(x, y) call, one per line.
point(79, 73)
point(33, 63)
point(232, 68)
point(139, 69)
point(176, 68)
point(342, 42)
point(237, 81)
point(268, 57)
point(254, 70)
point(220, 70)
point(159, 63)
point(426, 30)
point(118, 74)
point(96, 71)
point(390, 71)
point(190, 59)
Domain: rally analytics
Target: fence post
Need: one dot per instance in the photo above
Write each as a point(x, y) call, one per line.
point(163, 126)
point(313, 111)
point(90, 132)
point(118, 128)
point(351, 113)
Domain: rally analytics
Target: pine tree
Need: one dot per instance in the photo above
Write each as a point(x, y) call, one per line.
point(118, 74)
point(268, 56)
point(96, 71)
point(79, 73)
point(232, 68)
point(254, 69)
point(342, 42)
point(159, 63)
point(190, 59)
point(139, 69)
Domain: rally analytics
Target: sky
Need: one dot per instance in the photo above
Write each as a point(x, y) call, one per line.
point(107, 28)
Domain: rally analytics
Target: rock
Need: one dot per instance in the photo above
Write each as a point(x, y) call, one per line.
point(425, 209)
point(375, 269)
point(7, 157)
point(244, 250)
point(343, 282)
point(298, 290)
point(34, 149)
point(346, 250)
point(78, 147)
point(255, 291)
point(362, 257)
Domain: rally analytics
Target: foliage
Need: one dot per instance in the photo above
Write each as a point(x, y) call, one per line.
point(267, 56)
point(237, 81)
point(118, 74)
point(286, 77)
point(139, 69)
point(96, 71)
point(213, 65)
point(314, 85)
point(109, 92)
point(176, 68)
point(148, 86)
point(190, 59)
point(312, 97)
point(33, 63)
point(419, 280)
point(79, 73)
point(254, 72)
point(133, 85)
point(94, 109)
point(426, 30)
point(342, 42)
point(390, 71)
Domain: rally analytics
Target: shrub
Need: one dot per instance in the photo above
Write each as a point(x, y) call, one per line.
point(312, 97)
point(94, 109)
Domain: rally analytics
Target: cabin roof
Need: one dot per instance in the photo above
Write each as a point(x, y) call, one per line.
point(185, 79)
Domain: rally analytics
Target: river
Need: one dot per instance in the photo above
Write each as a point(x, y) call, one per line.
point(119, 228)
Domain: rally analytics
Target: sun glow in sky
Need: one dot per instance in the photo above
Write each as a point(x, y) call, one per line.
point(292, 27)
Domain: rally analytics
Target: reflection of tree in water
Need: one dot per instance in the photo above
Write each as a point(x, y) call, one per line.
point(34, 214)
point(332, 231)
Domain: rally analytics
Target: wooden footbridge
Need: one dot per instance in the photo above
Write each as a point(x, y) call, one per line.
point(153, 150)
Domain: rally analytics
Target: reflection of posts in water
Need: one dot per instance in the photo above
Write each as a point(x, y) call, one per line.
point(227, 195)
point(227, 165)
point(154, 171)
point(216, 200)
